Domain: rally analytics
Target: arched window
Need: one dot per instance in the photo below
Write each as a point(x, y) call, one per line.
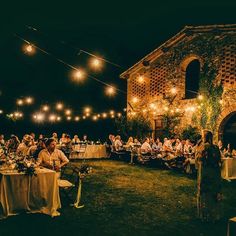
point(192, 79)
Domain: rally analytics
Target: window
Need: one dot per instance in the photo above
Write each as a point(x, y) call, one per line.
point(192, 79)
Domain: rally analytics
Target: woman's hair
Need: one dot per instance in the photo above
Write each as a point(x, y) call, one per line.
point(49, 141)
point(207, 136)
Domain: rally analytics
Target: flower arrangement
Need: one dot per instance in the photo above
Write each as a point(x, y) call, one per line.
point(84, 170)
point(28, 168)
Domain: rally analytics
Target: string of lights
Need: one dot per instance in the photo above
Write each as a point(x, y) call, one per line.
point(76, 48)
point(79, 73)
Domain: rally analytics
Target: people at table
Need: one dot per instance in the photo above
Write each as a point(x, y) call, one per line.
point(146, 147)
point(187, 147)
point(54, 135)
point(118, 146)
point(33, 141)
point(85, 138)
point(178, 148)
point(75, 140)
point(12, 144)
point(129, 144)
point(63, 139)
point(51, 157)
point(24, 146)
point(157, 146)
point(136, 142)
point(167, 145)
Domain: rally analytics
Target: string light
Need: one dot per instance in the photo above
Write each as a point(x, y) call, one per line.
point(79, 75)
point(110, 90)
point(140, 79)
point(77, 118)
point(68, 112)
point(87, 109)
point(29, 100)
point(200, 97)
point(173, 90)
point(39, 117)
point(69, 65)
point(52, 117)
point(20, 102)
point(134, 99)
point(1, 111)
point(95, 63)
point(68, 118)
point(95, 117)
point(58, 118)
point(104, 115)
point(29, 49)
point(45, 108)
point(59, 106)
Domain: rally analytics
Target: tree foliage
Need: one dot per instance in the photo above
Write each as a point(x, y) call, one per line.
point(137, 126)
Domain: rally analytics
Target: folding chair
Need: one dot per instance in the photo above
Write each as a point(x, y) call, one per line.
point(69, 181)
point(75, 151)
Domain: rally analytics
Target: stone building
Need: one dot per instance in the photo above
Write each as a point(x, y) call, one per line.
point(167, 79)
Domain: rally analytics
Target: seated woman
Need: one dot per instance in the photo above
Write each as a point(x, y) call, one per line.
point(118, 144)
point(129, 144)
point(146, 147)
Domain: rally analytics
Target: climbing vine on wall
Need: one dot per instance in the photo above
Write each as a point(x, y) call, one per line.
point(209, 105)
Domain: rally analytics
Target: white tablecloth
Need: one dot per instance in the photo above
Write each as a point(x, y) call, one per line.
point(228, 170)
point(231, 227)
point(35, 194)
point(91, 151)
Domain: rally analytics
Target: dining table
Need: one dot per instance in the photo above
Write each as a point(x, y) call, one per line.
point(37, 193)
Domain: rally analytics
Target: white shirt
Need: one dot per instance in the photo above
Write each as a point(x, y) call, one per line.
point(57, 158)
point(146, 147)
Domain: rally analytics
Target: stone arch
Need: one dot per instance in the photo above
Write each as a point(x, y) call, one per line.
point(185, 62)
point(225, 115)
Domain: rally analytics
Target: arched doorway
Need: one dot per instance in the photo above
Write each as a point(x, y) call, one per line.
point(228, 130)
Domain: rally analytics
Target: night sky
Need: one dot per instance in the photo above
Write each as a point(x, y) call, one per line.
point(120, 31)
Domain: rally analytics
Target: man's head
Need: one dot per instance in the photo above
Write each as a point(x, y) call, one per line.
point(50, 144)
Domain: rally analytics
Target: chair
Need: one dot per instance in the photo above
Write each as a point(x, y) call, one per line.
point(69, 181)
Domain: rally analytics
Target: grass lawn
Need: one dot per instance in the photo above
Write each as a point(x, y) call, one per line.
point(121, 199)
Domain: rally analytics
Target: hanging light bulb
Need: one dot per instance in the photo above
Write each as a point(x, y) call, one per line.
point(96, 63)
point(79, 75)
point(110, 90)
point(29, 100)
point(29, 49)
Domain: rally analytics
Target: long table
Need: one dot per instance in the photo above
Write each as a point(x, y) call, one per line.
point(88, 151)
point(32, 194)
point(228, 170)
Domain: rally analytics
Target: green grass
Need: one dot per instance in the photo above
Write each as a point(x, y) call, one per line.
point(121, 199)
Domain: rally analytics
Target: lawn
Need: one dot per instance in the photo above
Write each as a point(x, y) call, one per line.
point(123, 199)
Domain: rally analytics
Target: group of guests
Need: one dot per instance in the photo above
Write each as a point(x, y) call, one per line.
point(169, 148)
point(45, 151)
point(208, 161)
point(30, 146)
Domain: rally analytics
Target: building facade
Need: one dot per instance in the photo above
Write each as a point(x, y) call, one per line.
point(167, 79)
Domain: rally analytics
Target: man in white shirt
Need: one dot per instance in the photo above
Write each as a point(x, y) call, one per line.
point(52, 158)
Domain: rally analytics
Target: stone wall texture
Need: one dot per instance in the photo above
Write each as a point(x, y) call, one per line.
point(151, 80)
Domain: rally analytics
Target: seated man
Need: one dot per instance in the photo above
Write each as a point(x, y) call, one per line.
point(52, 158)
